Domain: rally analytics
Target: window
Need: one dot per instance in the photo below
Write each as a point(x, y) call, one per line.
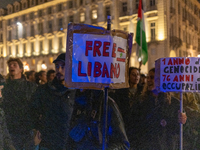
point(124, 7)
point(136, 4)
point(41, 1)
point(198, 45)
point(16, 8)
point(24, 5)
point(17, 49)
point(60, 42)
point(9, 35)
point(33, 2)
point(60, 24)
point(49, 10)
point(32, 47)
point(70, 4)
point(24, 18)
point(16, 19)
point(1, 37)
point(59, 7)
point(153, 51)
point(183, 14)
point(94, 14)
point(41, 46)
point(24, 48)
point(172, 3)
point(50, 45)
point(152, 2)
point(40, 13)
point(16, 36)
point(31, 15)
point(71, 18)
point(93, 0)
point(50, 25)
point(172, 29)
point(10, 10)
point(1, 52)
point(179, 8)
point(0, 24)
point(82, 17)
point(107, 11)
point(10, 50)
point(24, 32)
point(40, 28)
point(81, 2)
point(184, 36)
point(32, 30)
point(180, 54)
point(9, 22)
point(153, 31)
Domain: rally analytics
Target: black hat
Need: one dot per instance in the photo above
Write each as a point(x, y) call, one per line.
point(61, 57)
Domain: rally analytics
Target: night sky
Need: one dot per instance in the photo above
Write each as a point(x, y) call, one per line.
point(4, 3)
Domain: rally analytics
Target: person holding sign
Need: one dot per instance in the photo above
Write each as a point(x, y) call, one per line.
point(87, 123)
point(51, 109)
point(160, 117)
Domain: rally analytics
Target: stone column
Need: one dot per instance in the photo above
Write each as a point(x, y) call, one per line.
point(101, 14)
point(115, 16)
point(88, 15)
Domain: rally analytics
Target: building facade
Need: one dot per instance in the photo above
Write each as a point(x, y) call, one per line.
point(36, 30)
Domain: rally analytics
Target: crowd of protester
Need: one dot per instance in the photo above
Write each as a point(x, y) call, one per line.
point(39, 113)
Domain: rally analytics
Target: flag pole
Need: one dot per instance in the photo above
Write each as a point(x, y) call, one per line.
point(141, 26)
point(105, 102)
point(181, 125)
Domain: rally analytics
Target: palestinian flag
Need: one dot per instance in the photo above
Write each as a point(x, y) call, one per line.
point(141, 36)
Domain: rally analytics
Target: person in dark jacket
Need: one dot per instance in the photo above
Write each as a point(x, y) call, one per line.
point(16, 98)
point(87, 123)
point(52, 106)
point(5, 139)
point(129, 105)
point(159, 113)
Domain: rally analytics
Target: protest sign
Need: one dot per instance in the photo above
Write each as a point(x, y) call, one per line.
point(96, 58)
point(178, 74)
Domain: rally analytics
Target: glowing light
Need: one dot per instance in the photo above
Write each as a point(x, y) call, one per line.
point(172, 53)
point(44, 66)
point(198, 55)
point(161, 37)
point(26, 66)
point(139, 59)
point(19, 23)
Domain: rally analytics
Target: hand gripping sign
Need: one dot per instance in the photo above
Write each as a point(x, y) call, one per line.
point(96, 58)
point(178, 74)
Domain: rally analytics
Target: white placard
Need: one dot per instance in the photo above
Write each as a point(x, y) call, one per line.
point(98, 58)
point(180, 74)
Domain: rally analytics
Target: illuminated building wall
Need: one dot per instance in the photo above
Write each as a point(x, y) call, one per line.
point(36, 30)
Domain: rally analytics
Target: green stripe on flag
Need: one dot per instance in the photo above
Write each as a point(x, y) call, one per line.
point(143, 54)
